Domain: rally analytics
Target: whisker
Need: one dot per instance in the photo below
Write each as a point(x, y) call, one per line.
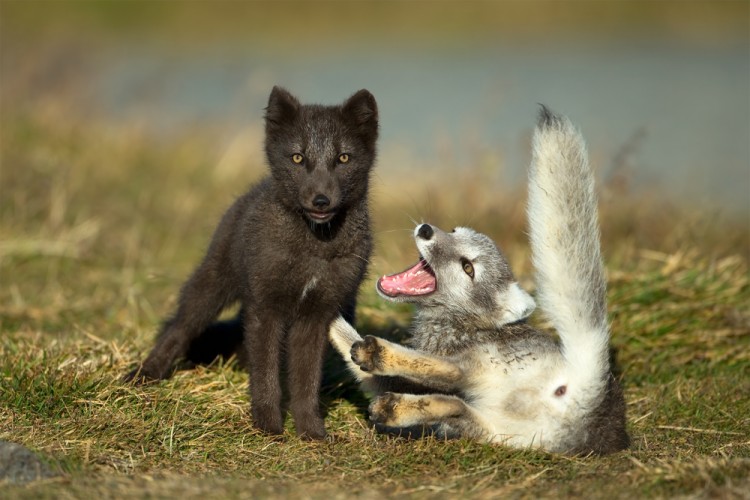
point(361, 258)
point(385, 231)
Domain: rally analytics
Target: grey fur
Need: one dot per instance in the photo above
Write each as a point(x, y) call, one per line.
point(493, 376)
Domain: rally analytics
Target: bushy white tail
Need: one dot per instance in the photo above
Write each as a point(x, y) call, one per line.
point(564, 231)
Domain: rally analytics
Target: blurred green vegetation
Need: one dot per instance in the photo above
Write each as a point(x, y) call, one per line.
point(305, 24)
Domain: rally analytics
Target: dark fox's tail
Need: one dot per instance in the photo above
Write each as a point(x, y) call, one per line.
point(564, 231)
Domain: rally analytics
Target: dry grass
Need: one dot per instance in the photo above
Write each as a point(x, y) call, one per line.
point(100, 225)
point(98, 228)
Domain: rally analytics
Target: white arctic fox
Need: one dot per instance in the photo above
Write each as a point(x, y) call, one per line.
point(474, 367)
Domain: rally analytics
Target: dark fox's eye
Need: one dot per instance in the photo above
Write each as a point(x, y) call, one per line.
point(343, 158)
point(468, 267)
point(297, 158)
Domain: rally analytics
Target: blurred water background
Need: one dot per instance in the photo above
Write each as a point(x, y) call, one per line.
point(661, 90)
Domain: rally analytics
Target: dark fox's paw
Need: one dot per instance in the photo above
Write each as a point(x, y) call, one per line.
point(367, 354)
point(383, 409)
point(267, 418)
point(309, 424)
point(141, 376)
point(311, 431)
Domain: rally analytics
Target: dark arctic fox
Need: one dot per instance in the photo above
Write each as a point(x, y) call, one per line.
point(293, 251)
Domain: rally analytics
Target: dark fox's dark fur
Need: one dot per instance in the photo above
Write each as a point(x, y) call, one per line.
point(293, 251)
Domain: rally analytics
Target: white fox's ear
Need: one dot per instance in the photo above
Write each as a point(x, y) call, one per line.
point(516, 304)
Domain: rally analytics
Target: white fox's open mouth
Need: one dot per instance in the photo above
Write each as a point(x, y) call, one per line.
point(417, 280)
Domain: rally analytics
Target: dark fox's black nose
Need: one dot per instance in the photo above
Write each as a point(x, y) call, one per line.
point(425, 231)
point(321, 201)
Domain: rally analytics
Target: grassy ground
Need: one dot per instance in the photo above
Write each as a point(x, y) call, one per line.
point(99, 227)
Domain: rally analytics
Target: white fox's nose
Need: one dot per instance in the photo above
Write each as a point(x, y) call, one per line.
point(425, 231)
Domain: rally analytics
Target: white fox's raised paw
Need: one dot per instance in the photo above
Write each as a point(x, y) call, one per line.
point(367, 354)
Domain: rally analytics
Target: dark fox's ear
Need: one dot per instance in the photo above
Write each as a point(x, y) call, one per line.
point(363, 109)
point(282, 106)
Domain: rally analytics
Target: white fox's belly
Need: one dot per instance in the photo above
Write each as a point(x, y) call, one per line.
point(512, 392)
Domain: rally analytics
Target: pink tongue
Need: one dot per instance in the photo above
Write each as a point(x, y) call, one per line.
point(417, 280)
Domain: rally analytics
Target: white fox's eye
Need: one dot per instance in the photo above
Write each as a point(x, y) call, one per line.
point(297, 158)
point(468, 267)
point(343, 158)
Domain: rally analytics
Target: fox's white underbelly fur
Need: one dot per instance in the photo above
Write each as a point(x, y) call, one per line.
point(512, 392)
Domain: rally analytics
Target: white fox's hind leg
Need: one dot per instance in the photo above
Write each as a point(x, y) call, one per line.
point(450, 415)
point(380, 357)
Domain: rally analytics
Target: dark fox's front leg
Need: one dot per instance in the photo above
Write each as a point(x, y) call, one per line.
point(307, 343)
point(263, 348)
point(381, 357)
